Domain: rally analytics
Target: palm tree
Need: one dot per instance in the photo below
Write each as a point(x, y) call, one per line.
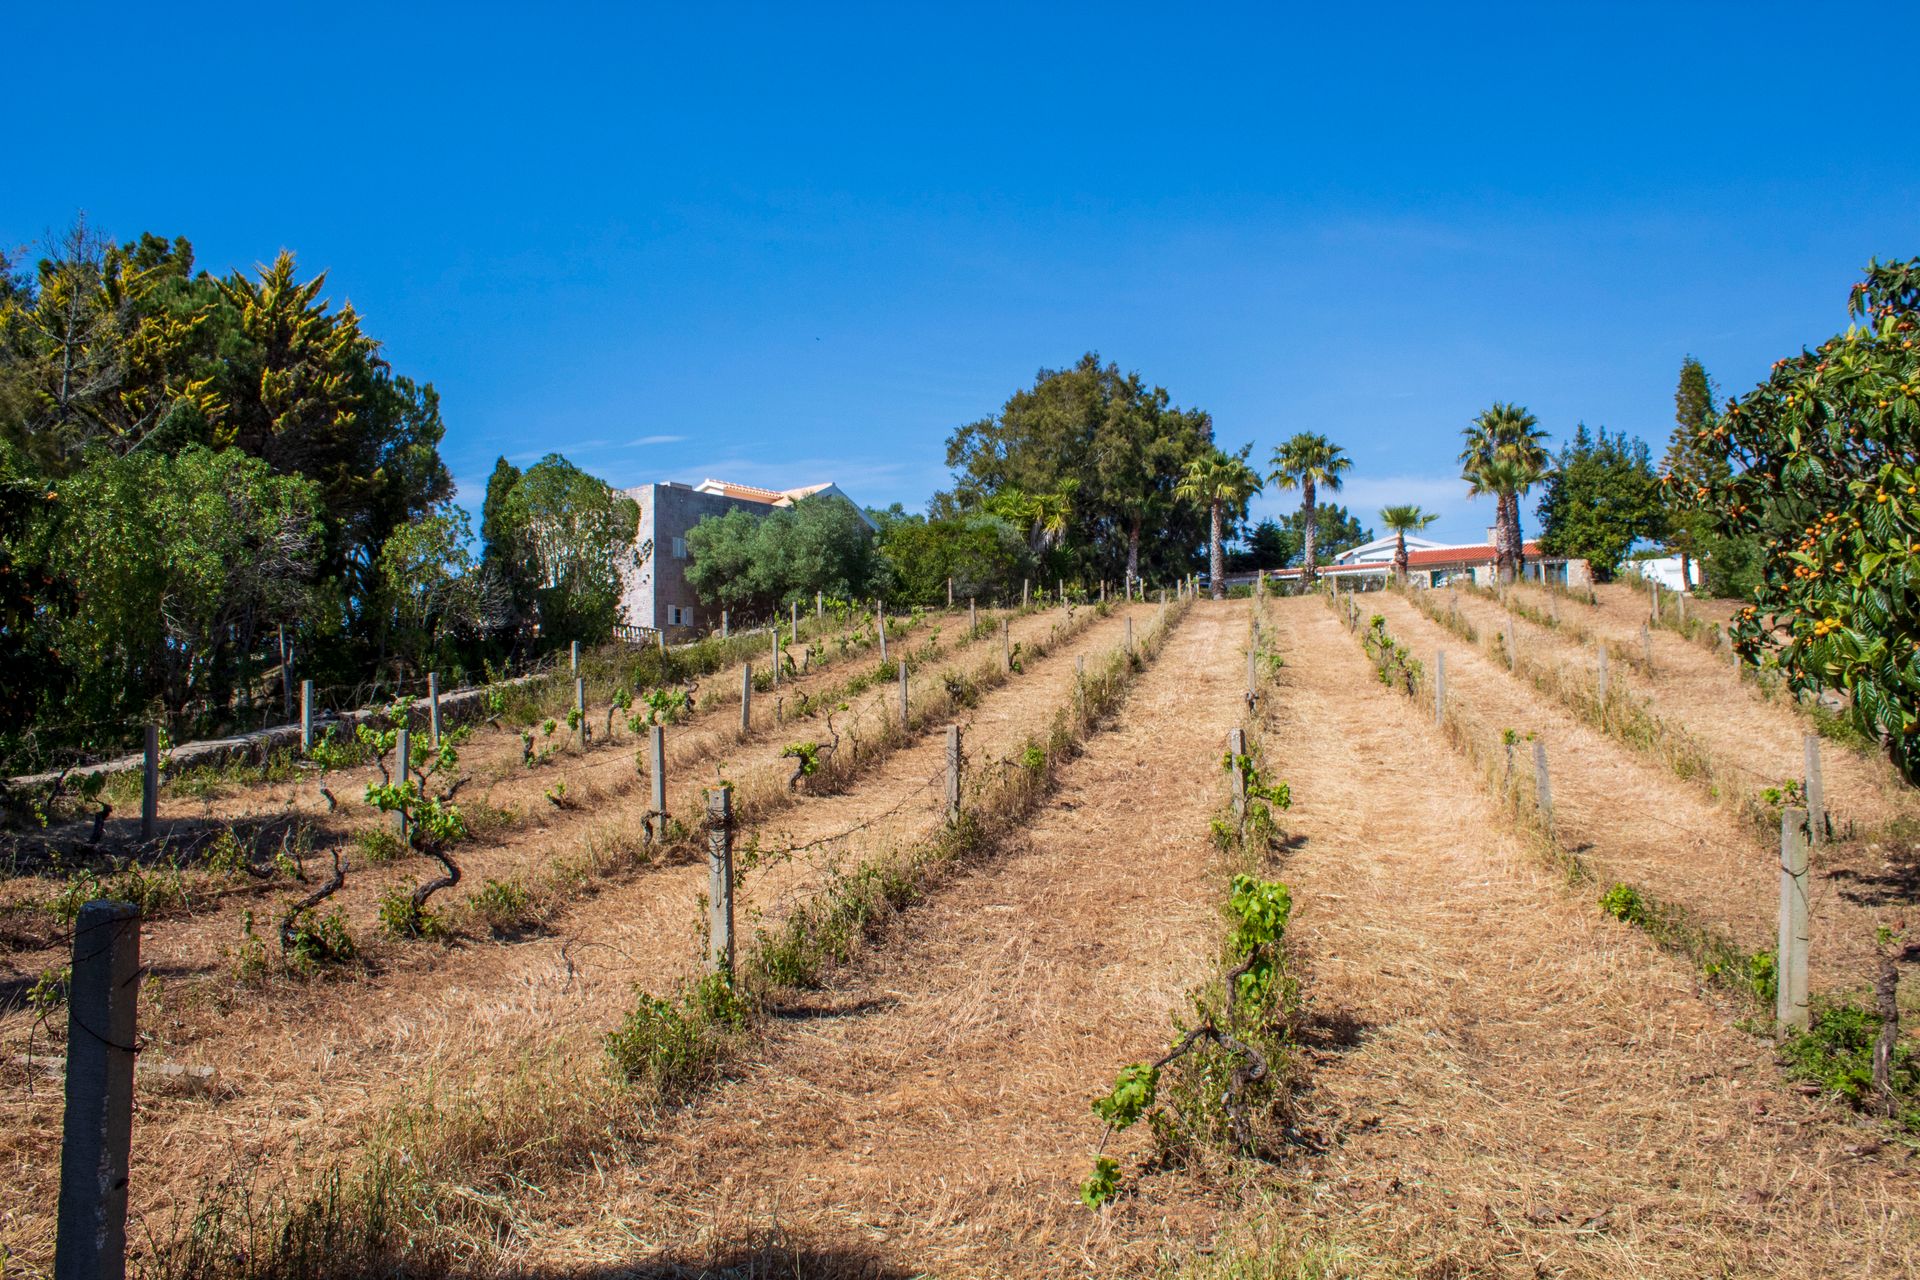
point(1505, 455)
point(1403, 521)
point(1220, 481)
point(1309, 462)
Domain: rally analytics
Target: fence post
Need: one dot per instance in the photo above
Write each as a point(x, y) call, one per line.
point(433, 707)
point(1602, 646)
point(1653, 595)
point(1513, 646)
point(953, 773)
point(580, 709)
point(1815, 793)
point(903, 693)
point(576, 657)
point(973, 617)
point(725, 625)
point(746, 698)
point(306, 716)
point(793, 621)
point(1542, 784)
point(1253, 679)
point(720, 879)
point(150, 783)
point(1026, 591)
point(774, 633)
point(1440, 687)
point(1646, 643)
point(1129, 635)
point(1237, 747)
point(1790, 1006)
point(1006, 643)
point(819, 605)
point(1062, 584)
point(90, 1238)
point(880, 616)
point(657, 750)
point(1103, 591)
point(403, 758)
point(949, 593)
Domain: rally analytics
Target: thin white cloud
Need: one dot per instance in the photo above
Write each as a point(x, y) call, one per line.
point(646, 440)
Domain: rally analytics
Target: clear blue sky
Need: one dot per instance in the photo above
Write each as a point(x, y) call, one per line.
point(791, 244)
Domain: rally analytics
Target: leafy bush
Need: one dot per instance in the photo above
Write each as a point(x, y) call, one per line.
point(1623, 903)
point(1836, 1053)
point(671, 1045)
point(315, 941)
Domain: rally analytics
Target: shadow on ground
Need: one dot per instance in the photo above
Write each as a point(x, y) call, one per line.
point(771, 1262)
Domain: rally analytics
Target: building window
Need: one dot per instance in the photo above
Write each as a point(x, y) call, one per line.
point(678, 617)
point(679, 548)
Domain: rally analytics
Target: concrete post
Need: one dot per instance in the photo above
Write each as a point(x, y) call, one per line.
point(1237, 747)
point(1815, 793)
point(903, 693)
point(306, 716)
point(657, 753)
point(1513, 647)
point(1542, 784)
point(773, 633)
point(1253, 678)
point(1790, 1006)
point(576, 657)
point(726, 628)
point(793, 621)
point(90, 1238)
point(403, 761)
point(973, 617)
point(150, 783)
point(1646, 645)
point(1129, 634)
point(580, 709)
point(1103, 591)
point(819, 605)
point(433, 707)
point(949, 593)
point(1063, 592)
point(746, 699)
point(953, 773)
point(1026, 591)
point(720, 879)
point(880, 619)
point(1440, 687)
point(1653, 596)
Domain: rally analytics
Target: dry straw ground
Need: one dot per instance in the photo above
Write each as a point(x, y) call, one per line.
point(1498, 1079)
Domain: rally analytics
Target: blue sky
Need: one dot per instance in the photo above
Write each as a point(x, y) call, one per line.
point(789, 244)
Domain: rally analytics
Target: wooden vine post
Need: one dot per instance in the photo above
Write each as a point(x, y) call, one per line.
point(1790, 1005)
point(1006, 643)
point(1815, 793)
point(793, 621)
point(1542, 785)
point(306, 717)
point(746, 698)
point(433, 708)
point(150, 783)
point(580, 710)
point(1237, 748)
point(90, 1237)
point(720, 879)
point(775, 633)
point(880, 621)
point(953, 773)
point(903, 694)
point(657, 755)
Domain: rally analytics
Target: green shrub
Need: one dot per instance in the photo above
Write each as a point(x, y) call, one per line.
point(1836, 1053)
point(504, 906)
point(315, 941)
point(672, 1045)
point(1623, 903)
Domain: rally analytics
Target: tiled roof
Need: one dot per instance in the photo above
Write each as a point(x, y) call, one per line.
point(1462, 555)
point(745, 492)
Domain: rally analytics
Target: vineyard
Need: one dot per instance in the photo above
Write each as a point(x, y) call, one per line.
point(1149, 937)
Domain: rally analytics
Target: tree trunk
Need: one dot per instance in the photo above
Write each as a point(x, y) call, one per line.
point(1400, 557)
point(1217, 559)
point(1503, 539)
point(1516, 542)
point(1306, 509)
point(1686, 578)
point(1133, 549)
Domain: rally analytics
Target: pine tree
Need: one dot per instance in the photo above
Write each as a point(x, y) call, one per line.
point(1692, 466)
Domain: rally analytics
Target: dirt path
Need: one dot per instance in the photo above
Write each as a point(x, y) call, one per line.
point(931, 1116)
point(1632, 819)
point(1511, 1083)
point(304, 1072)
point(1755, 740)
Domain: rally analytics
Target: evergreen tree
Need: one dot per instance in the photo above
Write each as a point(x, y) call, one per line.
point(1601, 497)
point(1692, 467)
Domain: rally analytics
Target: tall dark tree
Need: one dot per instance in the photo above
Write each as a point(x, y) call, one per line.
point(1601, 497)
point(1692, 467)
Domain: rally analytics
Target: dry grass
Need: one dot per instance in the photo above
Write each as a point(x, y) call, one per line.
point(308, 1066)
point(1508, 1083)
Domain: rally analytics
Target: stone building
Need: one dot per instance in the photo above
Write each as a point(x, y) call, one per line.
point(656, 595)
